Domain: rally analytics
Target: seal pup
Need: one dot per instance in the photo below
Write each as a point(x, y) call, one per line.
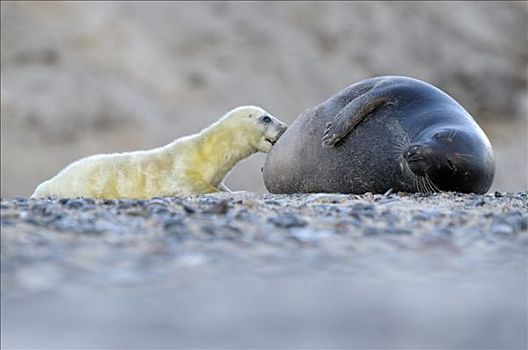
point(190, 165)
point(382, 133)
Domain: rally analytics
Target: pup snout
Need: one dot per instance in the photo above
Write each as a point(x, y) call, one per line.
point(280, 129)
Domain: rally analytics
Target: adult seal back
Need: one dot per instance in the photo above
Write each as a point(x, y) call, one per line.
point(382, 133)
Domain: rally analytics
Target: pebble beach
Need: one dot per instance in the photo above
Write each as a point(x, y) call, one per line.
point(443, 270)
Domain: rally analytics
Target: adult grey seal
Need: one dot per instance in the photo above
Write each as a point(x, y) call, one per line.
point(388, 132)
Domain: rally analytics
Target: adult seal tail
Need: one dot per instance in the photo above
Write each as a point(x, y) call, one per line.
point(383, 133)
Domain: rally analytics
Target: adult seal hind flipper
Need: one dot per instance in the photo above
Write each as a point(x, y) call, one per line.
point(382, 133)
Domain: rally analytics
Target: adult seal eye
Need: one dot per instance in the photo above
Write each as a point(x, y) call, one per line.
point(444, 135)
point(265, 119)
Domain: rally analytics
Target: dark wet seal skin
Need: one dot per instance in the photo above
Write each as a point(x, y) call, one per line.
point(382, 133)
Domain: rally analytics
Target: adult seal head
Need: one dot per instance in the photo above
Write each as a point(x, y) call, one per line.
point(383, 133)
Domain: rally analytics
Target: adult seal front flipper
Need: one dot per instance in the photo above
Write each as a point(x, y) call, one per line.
point(353, 114)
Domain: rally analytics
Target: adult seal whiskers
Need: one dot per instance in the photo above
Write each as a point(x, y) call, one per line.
point(383, 133)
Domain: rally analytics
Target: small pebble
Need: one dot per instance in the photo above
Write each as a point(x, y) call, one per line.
point(372, 231)
point(44, 209)
point(478, 202)
point(74, 204)
point(187, 208)
point(361, 209)
point(287, 221)
point(88, 201)
point(89, 207)
point(422, 216)
point(124, 204)
point(19, 200)
point(169, 223)
point(501, 229)
point(9, 214)
point(220, 208)
point(309, 235)
point(158, 210)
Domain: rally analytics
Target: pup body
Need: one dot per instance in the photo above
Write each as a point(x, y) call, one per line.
point(190, 165)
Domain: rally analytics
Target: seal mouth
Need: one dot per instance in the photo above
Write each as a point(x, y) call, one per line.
point(415, 158)
point(277, 137)
point(417, 153)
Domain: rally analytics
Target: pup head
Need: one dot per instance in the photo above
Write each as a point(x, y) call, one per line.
point(264, 128)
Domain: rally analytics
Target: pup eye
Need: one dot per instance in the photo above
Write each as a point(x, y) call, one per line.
point(265, 119)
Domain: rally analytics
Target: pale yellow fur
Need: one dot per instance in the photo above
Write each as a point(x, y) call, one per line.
point(190, 165)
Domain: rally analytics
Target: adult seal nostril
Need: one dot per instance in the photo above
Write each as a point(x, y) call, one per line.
point(411, 153)
point(382, 133)
point(416, 153)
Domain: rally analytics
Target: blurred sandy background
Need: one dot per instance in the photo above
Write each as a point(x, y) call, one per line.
point(84, 78)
